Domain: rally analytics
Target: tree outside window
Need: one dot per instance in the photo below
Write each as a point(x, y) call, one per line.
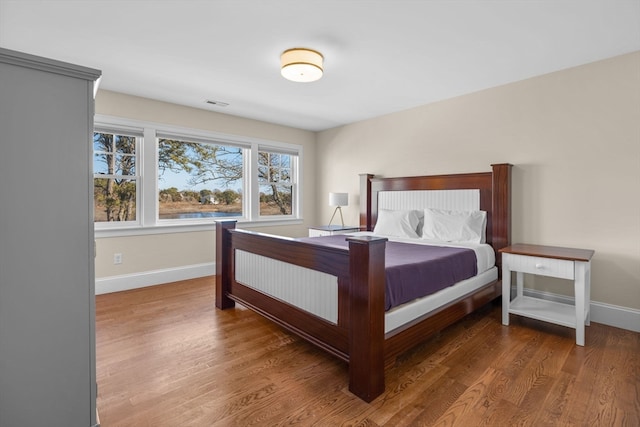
point(115, 180)
point(275, 181)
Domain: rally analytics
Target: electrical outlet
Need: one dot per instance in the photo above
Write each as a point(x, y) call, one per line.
point(117, 258)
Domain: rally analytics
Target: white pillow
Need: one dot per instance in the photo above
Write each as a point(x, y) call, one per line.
point(397, 223)
point(454, 226)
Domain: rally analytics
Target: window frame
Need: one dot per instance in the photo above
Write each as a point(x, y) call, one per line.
point(138, 134)
point(295, 194)
point(148, 221)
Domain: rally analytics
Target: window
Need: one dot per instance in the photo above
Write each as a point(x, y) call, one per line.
point(199, 180)
point(275, 183)
point(147, 176)
point(115, 181)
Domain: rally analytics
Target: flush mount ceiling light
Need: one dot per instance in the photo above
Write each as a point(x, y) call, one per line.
point(301, 65)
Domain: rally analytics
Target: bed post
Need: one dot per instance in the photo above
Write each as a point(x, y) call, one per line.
point(366, 316)
point(365, 205)
point(501, 206)
point(223, 263)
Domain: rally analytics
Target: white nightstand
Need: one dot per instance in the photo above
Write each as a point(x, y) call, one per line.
point(330, 230)
point(564, 263)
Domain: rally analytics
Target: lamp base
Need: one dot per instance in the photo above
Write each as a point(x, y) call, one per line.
point(334, 214)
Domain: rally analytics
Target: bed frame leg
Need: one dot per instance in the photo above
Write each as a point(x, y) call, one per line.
point(223, 263)
point(366, 316)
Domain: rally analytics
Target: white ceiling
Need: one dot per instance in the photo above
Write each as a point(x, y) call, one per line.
point(381, 56)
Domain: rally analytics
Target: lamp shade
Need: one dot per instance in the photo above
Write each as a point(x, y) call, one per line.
point(338, 199)
point(301, 65)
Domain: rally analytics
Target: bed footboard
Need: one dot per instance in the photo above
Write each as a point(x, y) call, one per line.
point(358, 335)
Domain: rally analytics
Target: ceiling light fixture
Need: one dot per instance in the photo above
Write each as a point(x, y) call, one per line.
point(301, 65)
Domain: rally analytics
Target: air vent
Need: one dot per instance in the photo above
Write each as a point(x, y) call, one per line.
point(217, 103)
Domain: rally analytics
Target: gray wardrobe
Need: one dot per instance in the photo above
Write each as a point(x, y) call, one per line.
point(47, 294)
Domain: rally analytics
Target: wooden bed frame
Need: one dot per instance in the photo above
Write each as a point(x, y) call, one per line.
point(358, 337)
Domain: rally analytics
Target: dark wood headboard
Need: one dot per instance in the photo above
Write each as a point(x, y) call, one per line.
point(495, 197)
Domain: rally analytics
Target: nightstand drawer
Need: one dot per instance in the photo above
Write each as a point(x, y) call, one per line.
point(563, 269)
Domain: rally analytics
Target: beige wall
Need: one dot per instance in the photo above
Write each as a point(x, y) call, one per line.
point(573, 137)
point(163, 251)
point(154, 252)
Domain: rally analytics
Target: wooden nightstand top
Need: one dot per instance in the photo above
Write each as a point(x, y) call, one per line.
point(555, 252)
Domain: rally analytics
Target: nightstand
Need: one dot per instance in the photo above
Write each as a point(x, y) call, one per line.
point(330, 230)
point(564, 263)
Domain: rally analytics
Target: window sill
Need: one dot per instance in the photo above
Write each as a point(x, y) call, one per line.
point(138, 230)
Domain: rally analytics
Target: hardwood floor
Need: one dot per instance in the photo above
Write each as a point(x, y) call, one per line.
point(167, 357)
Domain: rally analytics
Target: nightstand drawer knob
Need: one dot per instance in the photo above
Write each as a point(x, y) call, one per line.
point(539, 266)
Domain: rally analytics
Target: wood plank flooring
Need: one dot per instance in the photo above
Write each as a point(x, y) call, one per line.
point(167, 357)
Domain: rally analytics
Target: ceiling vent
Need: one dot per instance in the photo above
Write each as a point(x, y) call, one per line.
point(217, 103)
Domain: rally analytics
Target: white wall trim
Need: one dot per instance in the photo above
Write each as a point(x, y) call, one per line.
point(607, 314)
point(126, 282)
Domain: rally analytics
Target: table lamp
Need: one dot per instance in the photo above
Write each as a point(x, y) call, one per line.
point(338, 200)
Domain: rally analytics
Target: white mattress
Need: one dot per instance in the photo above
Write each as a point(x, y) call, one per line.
point(405, 313)
point(487, 272)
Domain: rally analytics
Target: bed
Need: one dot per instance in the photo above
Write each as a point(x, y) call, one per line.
point(333, 295)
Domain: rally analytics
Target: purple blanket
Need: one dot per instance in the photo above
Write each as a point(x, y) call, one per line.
point(414, 271)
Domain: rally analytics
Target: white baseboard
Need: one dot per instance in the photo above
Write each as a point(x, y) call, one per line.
point(126, 282)
point(607, 314)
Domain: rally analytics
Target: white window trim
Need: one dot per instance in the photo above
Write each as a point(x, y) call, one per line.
point(148, 222)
